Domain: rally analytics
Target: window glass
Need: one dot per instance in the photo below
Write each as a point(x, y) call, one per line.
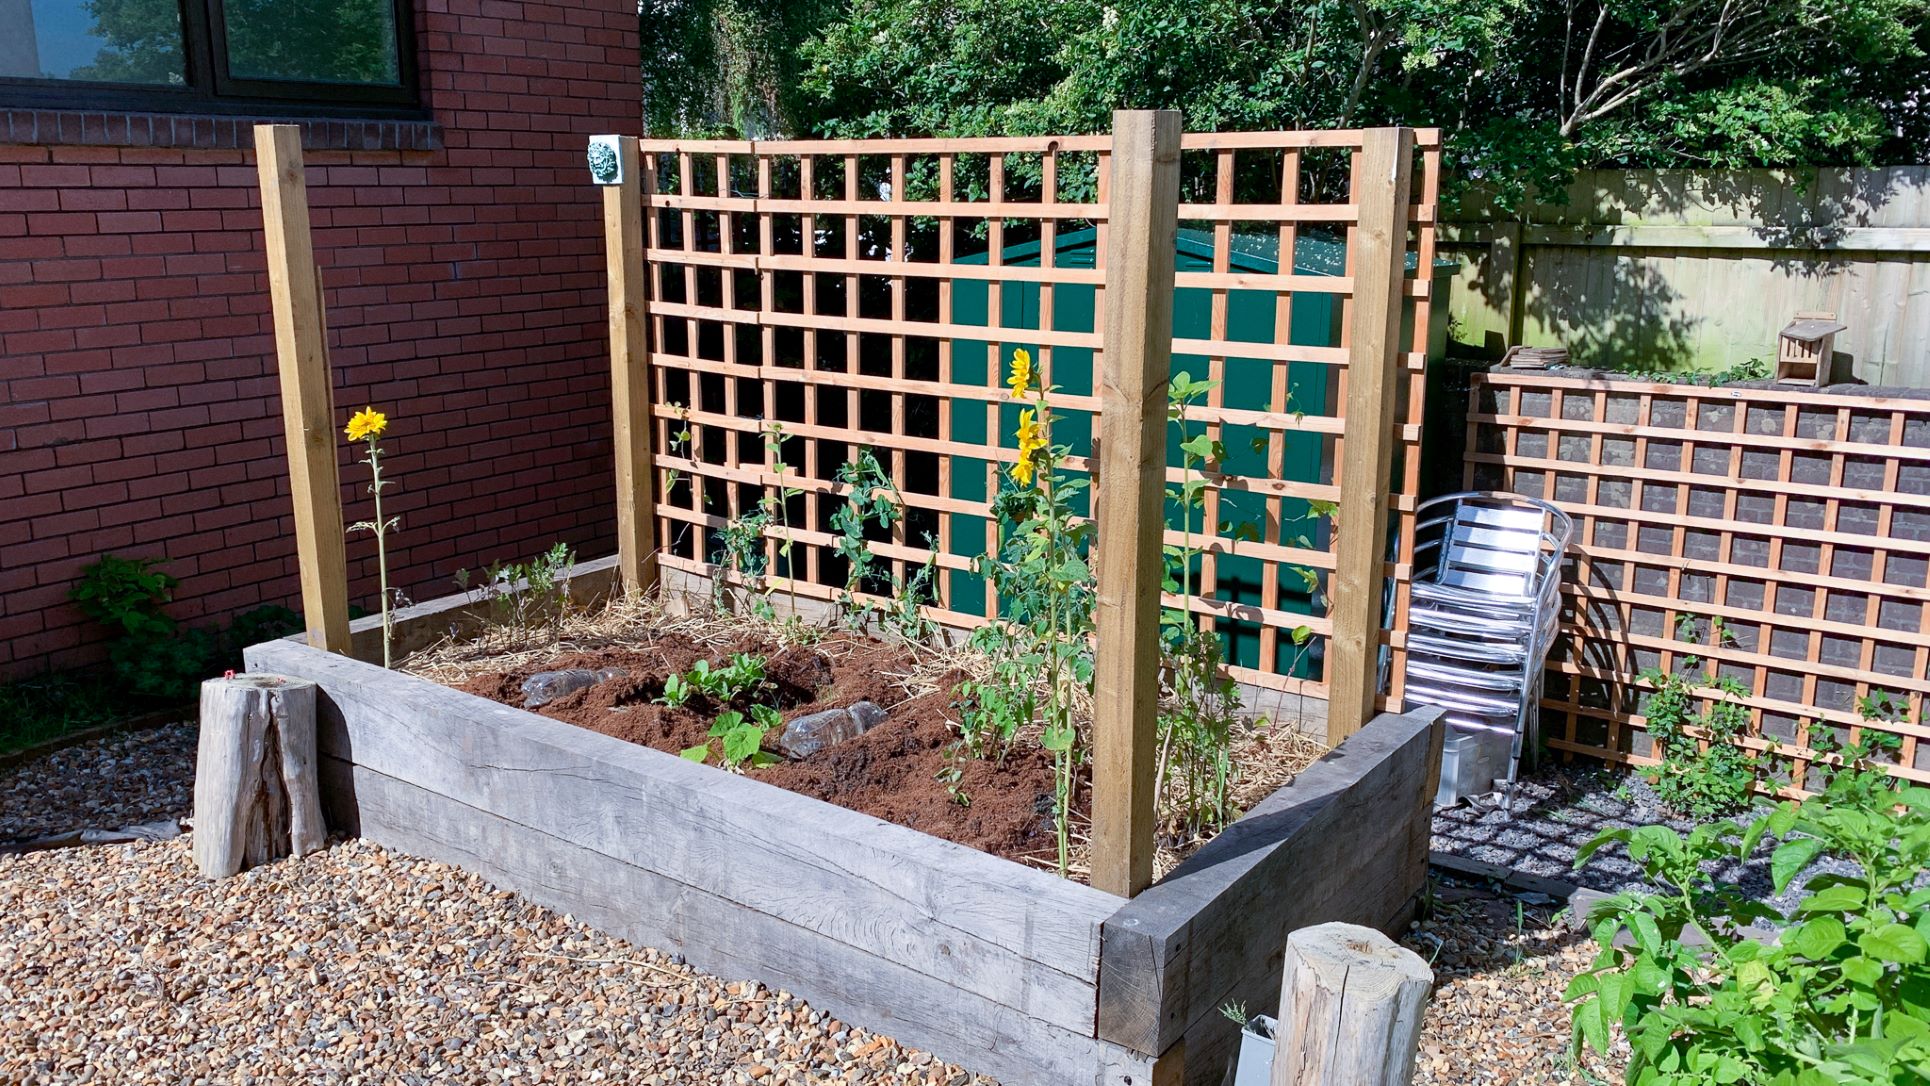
point(337, 41)
point(106, 41)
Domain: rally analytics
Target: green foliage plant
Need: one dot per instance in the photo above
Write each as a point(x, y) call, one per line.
point(1195, 763)
point(740, 738)
point(871, 498)
point(777, 504)
point(525, 595)
point(150, 656)
point(1045, 589)
point(1704, 771)
point(1841, 996)
point(721, 684)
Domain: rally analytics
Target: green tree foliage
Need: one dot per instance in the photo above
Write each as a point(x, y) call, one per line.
point(1526, 89)
point(726, 67)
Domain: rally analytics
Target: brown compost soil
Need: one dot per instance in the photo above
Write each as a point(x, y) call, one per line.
point(890, 772)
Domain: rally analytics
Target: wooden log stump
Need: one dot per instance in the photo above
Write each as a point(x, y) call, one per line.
point(255, 792)
point(1350, 1009)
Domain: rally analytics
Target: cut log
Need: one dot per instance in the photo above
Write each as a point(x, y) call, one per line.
point(1350, 1009)
point(255, 792)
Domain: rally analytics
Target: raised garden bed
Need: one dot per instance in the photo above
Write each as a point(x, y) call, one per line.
point(986, 962)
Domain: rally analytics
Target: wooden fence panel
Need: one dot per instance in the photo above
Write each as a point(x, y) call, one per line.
point(1799, 519)
point(870, 293)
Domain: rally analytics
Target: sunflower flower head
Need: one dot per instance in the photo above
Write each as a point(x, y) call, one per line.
point(1031, 443)
point(366, 424)
point(1021, 378)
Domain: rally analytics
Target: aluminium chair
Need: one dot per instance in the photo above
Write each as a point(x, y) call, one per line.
point(1482, 612)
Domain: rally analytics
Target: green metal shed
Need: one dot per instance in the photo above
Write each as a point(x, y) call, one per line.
point(1314, 322)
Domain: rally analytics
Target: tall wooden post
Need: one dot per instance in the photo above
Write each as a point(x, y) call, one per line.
point(630, 371)
point(1379, 244)
point(307, 400)
point(1142, 230)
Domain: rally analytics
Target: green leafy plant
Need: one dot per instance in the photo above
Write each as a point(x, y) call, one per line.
point(150, 656)
point(525, 594)
point(126, 595)
point(741, 552)
point(777, 504)
point(676, 692)
point(741, 738)
point(1704, 772)
point(722, 685)
point(1841, 996)
point(1197, 714)
point(871, 499)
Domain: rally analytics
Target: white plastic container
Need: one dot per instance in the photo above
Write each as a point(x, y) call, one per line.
point(1254, 1064)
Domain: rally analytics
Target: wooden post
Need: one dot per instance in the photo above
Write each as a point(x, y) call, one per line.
point(1374, 356)
point(255, 790)
point(1350, 1009)
point(630, 372)
point(1131, 493)
point(307, 402)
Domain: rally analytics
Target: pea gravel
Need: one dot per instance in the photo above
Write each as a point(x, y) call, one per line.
point(118, 963)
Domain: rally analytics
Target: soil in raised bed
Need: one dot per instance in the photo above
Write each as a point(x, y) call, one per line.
point(890, 772)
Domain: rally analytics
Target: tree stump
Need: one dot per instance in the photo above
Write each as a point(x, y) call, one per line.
point(1350, 1009)
point(255, 793)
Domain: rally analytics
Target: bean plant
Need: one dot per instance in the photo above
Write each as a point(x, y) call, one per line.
point(1841, 997)
point(1195, 764)
point(871, 498)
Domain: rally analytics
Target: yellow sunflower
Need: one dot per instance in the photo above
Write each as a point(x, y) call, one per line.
point(366, 423)
point(1031, 443)
point(1021, 378)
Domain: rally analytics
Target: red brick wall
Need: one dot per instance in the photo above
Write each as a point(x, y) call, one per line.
point(139, 407)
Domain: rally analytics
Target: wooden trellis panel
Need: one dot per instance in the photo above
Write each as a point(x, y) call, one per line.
point(869, 293)
point(1800, 520)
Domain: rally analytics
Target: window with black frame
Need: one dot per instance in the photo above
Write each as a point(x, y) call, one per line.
point(217, 55)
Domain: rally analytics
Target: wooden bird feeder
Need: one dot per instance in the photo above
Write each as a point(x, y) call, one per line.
point(1804, 349)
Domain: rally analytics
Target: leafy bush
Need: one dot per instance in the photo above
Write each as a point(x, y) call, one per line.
point(150, 656)
point(1841, 997)
point(1704, 772)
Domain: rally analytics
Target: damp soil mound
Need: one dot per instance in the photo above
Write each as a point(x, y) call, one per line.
point(893, 772)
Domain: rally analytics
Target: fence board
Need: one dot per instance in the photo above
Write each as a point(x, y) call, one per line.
point(1800, 519)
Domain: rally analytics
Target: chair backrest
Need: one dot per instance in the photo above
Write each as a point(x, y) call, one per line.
point(1492, 549)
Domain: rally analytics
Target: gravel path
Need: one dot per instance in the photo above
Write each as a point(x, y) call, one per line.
point(1562, 807)
point(119, 780)
point(358, 965)
point(1497, 1017)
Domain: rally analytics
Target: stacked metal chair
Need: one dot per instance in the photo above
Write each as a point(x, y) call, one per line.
point(1482, 612)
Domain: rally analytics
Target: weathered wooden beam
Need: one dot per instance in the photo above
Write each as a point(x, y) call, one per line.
point(1016, 936)
point(1131, 492)
point(630, 371)
point(1378, 250)
point(1346, 840)
point(1350, 1009)
point(256, 797)
point(876, 985)
point(307, 402)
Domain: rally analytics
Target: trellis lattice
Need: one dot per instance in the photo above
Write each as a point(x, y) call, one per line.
point(1800, 520)
point(869, 294)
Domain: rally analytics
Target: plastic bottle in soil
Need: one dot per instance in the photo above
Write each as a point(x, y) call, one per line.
point(543, 688)
point(808, 735)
